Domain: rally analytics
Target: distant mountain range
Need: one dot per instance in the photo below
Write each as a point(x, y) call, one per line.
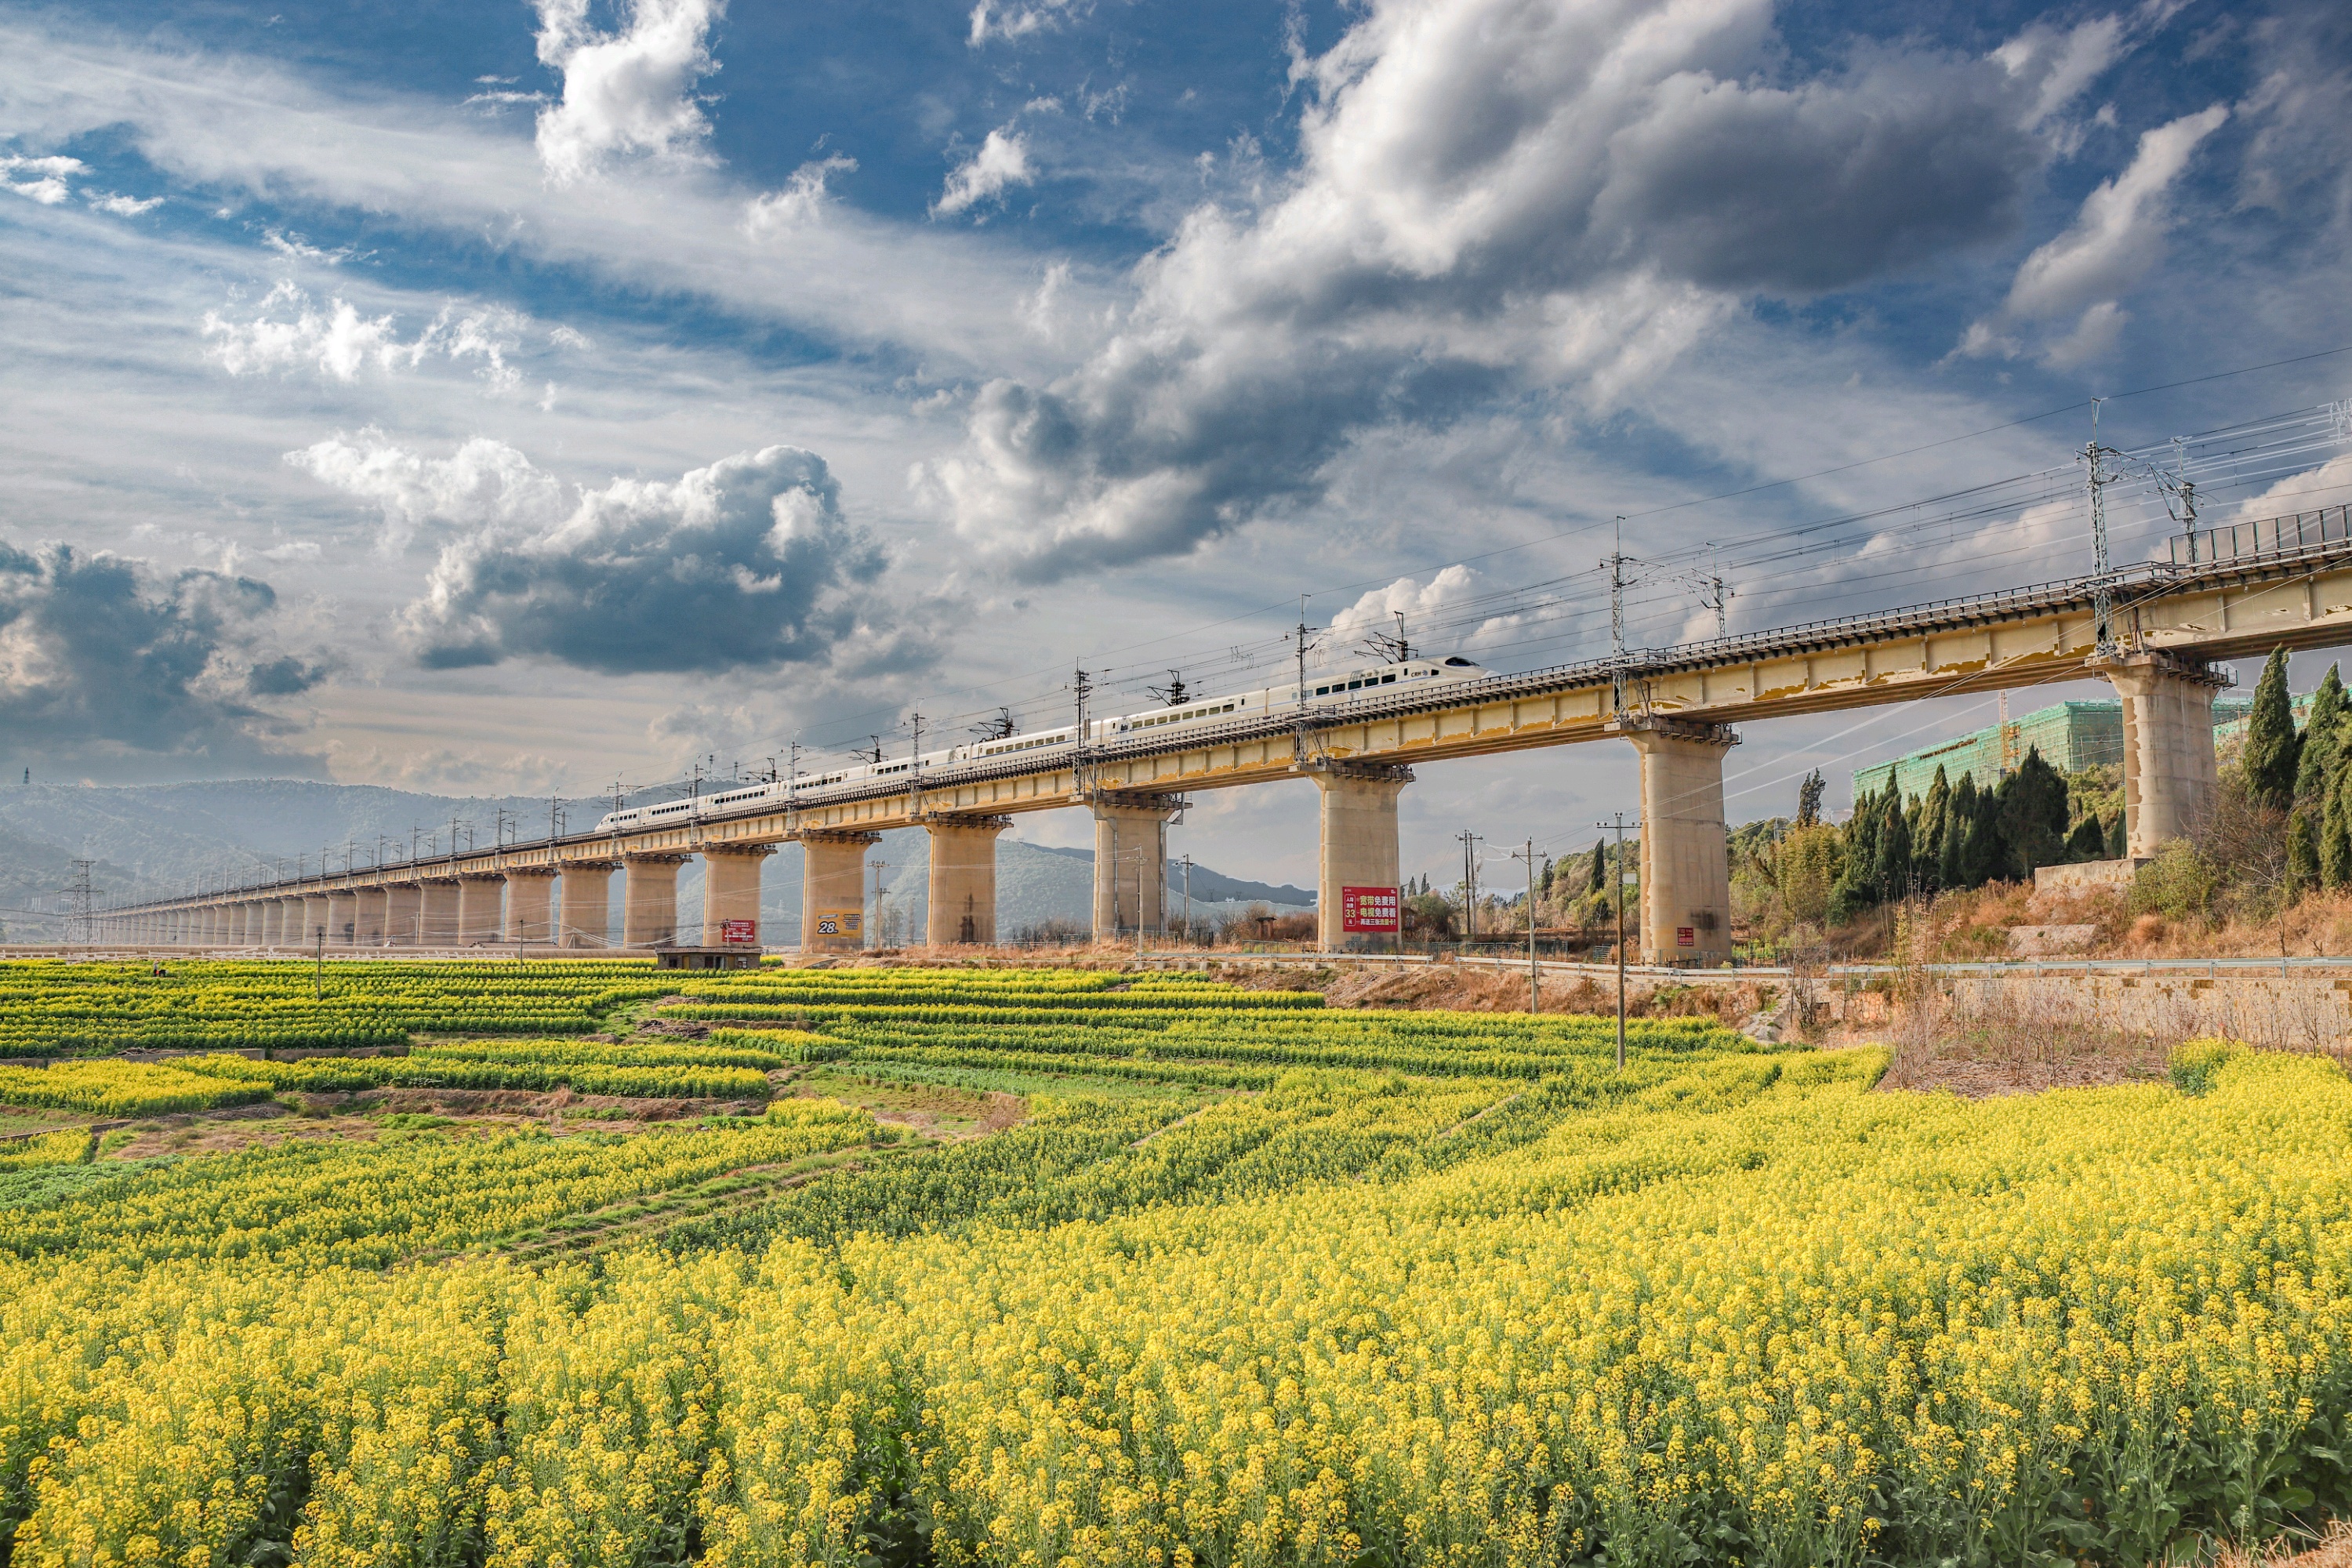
point(153, 840)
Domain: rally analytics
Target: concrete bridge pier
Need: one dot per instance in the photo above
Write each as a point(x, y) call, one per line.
point(439, 898)
point(584, 902)
point(1358, 845)
point(317, 911)
point(292, 931)
point(731, 890)
point(342, 917)
point(1131, 861)
point(650, 901)
point(1685, 856)
point(531, 902)
point(266, 929)
point(963, 893)
point(235, 917)
point(2170, 774)
point(478, 908)
point(402, 902)
point(368, 917)
point(832, 890)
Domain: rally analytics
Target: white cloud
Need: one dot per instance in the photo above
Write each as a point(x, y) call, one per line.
point(1003, 161)
point(1018, 21)
point(746, 562)
point(1439, 616)
point(570, 338)
point(484, 484)
point(294, 247)
point(291, 333)
point(626, 93)
point(2060, 65)
point(123, 207)
point(1492, 194)
point(799, 202)
point(2115, 239)
point(41, 179)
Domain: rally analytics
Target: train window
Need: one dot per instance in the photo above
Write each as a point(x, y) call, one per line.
point(1388, 680)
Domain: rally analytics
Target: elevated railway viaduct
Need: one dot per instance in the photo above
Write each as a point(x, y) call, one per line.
point(2230, 593)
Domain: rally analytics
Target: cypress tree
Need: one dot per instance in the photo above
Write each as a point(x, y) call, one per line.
point(1808, 799)
point(1862, 837)
point(1927, 844)
point(1951, 867)
point(2302, 846)
point(2272, 750)
point(1984, 854)
point(2323, 743)
point(2336, 835)
point(2087, 842)
point(1597, 881)
point(1891, 875)
point(2033, 805)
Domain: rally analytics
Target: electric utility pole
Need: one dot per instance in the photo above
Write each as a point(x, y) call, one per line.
point(1469, 889)
point(1617, 896)
point(1535, 994)
point(2101, 594)
point(1616, 564)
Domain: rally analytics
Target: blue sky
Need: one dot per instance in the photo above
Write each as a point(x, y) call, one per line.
point(497, 396)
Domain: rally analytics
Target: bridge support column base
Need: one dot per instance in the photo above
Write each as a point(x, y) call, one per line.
point(531, 902)
point(440, 909)
point(1686, 853)
point(318, 914)
point(478, 910)
point(1359, 846)
point(1131, 862)
point(963, 879)
point(584, 903)
point(2170, 774)
point(403, 913)
point(730, 892)
point(368, 918)
point(650, 901)
point(342, 918)
point(832, 890)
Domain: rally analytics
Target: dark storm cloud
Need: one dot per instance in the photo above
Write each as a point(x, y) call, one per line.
point(109, 665)
point(746, 563)
point(1557, 192)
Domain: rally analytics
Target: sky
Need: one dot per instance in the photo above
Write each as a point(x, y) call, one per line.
point(557, 395)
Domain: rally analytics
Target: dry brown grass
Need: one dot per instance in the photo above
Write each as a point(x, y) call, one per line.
point(2334, 1551)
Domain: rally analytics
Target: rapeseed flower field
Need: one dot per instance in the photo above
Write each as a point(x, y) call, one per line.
point(1252, 1282)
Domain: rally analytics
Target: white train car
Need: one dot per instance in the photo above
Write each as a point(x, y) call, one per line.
point(1322, 692)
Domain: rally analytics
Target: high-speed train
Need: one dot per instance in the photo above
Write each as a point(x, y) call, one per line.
point(1322, 692)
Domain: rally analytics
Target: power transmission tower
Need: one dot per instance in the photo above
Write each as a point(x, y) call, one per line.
point(77, 896)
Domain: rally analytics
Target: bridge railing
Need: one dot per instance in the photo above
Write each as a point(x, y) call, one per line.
point(2270, 536)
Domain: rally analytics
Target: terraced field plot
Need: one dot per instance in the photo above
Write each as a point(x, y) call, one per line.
point(1033, 1267)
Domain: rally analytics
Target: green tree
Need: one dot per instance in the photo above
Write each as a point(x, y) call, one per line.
point(1808, 799)
point(2302, 846)
point(1984, 853)
point(1891, 878)
point(2335, 834)
point(2032, 810)
point(2323, 743)
point(1596, 882)
point(2272, 753)
point(2087, 842)
point(1927, 844)
point(1951, 855)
